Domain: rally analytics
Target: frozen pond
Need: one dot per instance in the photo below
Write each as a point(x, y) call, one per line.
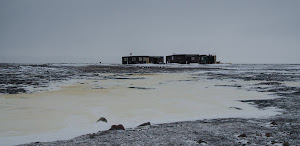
point(157, 98)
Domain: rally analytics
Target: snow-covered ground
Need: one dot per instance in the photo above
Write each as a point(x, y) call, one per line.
point(157, 98)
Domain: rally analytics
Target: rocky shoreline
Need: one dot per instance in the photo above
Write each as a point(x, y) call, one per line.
point(283, 129)
point(20, 78)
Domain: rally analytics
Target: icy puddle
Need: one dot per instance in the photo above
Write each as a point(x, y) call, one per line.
point(158, 98)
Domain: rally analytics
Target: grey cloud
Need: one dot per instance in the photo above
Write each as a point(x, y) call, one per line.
point(252, 31)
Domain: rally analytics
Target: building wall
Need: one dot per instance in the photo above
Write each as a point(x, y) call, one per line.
point(180, 58)
point(142, 59)
point(183, 59)
point(212, 59)
point(208, 59)
point(191, 58)
point(156, 60)
point(203, 59)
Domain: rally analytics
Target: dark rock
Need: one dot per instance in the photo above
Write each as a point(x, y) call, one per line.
point(201, 141)
point(143, 88)
point(145, 124)
point(122, 78)
point(117, 127)
point(242, 135)
point(268, 134)
point(237, 108)
point(92, 136)
point(102, 119)
point(285, 144)
point(273, 142)
point(258, 134)
point(273, 123)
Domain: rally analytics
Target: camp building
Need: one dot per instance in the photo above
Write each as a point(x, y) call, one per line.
point(191, 58)
point(142, 59)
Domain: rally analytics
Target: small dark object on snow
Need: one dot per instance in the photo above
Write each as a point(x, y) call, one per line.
point(201, 141)
point(102, 119)
point(242, 135)
point(268, 134)
point(258, 134)
point(117, 127)
point(285, 144)
point(273, 123)
point(145, 124)
point(92, 136)
point(143, 88)
point(237, 108)
point(273, 142)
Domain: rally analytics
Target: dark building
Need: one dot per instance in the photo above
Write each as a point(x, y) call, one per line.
point(212, 59)
point(203, 59)
point(191, 58)
point(142, 59)
point(183, 58)
point(208, 59)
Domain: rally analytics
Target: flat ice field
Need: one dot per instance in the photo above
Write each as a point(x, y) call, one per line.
point(157, 98)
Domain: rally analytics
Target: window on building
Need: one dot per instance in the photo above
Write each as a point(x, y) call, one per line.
point(125, 59)
point(140, 58)
point(133, 59)
point(193, 58)
point(172, 57)
point(144, 58)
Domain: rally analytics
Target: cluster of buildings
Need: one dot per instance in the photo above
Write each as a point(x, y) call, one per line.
point(176, 58)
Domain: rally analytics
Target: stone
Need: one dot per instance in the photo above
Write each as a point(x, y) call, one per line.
point(145, 124)
point(92, 136)
point(242, 135)
point(237, 108)
point(273, 123)
point(285, 144)
point(268, 134)
point(143, 88)
point(273, 142)
point(102, 119)
point(117, 127)
point(258, 134)
point(201, 141)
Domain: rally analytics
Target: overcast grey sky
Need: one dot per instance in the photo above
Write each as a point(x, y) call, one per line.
point(237, 31)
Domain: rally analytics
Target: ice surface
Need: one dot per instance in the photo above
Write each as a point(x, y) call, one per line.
point(73, 110)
